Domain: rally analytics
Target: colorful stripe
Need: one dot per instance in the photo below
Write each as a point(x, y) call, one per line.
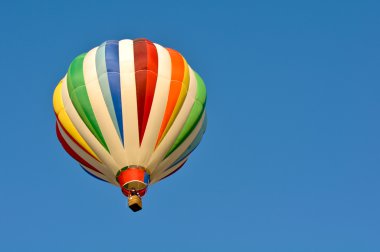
point(103, 154)
point(107, 68)
point(173, 170)
point(159, 102)
point(168, 141)
point(64, 120)
point(166, 165)
point(195, 114)
point(79, 97)
point(130, 102)
point(82, 157)
point(192, 146)
point(146, 67)
point(92, 174)
point(178, 88)
point(71, 152)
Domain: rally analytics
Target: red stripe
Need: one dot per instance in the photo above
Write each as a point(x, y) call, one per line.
point(71, 152)
point(146, 68)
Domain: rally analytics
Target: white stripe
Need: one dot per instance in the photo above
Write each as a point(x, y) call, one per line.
point(170, 137)
point(129, 101)
point(86, 134)
point(100, 109)
point(157, 110)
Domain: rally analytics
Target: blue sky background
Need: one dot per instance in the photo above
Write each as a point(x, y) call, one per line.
point(290, 160)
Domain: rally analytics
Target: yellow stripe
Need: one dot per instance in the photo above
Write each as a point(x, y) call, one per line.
point(66, 123)
point(57, 99)
point(181, 98)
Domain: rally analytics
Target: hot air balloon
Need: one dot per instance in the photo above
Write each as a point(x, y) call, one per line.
point(130, 112)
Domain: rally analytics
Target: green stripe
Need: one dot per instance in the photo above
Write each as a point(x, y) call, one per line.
point(79, 97)
point(201, 90)
point(194, 116)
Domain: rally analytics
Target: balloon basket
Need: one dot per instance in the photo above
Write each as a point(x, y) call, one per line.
point(135, 203)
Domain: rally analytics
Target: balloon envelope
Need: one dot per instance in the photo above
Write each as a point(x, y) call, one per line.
point(130, 105)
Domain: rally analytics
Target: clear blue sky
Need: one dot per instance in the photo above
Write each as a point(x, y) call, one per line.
point(290, 161)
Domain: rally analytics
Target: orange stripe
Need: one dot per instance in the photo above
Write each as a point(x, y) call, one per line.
point(178, 66)
point(178, 69)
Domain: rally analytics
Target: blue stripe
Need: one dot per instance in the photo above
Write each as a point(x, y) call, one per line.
point(101, 70)
point(146, 178)
point(113, 71)
point(92, 175)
